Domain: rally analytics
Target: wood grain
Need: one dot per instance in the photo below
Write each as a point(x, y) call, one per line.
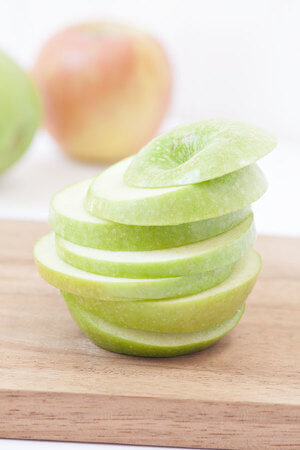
point(242, 393)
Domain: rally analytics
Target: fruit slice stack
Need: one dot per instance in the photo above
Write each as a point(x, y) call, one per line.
point(154, 256)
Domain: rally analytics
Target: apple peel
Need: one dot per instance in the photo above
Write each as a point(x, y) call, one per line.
point(202, 256)
point(70, 220)
point(181, 315)
point(110, 198)
point(68, 278)
point(146, 343)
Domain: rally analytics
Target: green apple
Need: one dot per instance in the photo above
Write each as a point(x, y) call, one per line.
point(69, 219)
point(198, 152)
point(70, 279)
point(203, 256)
point(147, 343)
point(19, 112)
point(110, 198)
point(181, 315)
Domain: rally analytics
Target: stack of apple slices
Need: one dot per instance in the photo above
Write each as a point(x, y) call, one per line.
point(153, 256)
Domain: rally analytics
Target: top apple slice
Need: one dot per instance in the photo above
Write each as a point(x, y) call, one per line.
point(198, 152)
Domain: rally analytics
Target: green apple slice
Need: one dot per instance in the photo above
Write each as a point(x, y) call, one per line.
point(69, 220)
point(203, 256)
point(147, 343)
point(110, 198)
point(198, 152)
point(182, 315)
point(70, 279)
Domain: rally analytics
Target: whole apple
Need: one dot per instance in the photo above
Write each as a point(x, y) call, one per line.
point(19, 112)
point(106, 88)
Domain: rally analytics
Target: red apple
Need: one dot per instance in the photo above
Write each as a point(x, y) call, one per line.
point(106, 88)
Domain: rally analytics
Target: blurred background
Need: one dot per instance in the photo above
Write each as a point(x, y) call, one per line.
point(228, 59)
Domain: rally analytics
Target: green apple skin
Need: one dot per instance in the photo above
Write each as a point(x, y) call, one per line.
point(146, 343)
point(183, 315)
point(203, 256)
point(69, 220)
point(198, 152)
point(19, 112)
point(109, 198)
point(70, 279)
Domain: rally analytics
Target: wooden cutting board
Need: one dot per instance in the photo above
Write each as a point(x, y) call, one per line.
point(243, 393)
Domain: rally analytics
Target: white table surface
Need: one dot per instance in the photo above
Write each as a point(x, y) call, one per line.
point(25, 191)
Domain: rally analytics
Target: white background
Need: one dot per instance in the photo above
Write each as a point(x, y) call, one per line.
point(230, 58)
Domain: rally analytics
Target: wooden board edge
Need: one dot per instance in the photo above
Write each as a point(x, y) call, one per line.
point(147, 421)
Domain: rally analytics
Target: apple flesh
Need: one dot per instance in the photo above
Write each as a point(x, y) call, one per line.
point(69, 219)
point(19, 112)
point(106, 88)
point(198, 152)
point(146, 343)
point(202, 256)
point(110, 198)
point(181, 315)
point(70, 279)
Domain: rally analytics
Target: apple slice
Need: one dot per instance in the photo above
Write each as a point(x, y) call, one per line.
point(70, 279)
point(69, 219)
point(181, 315)
point(147, 343)
point(198, 152)
point(203, 256)
point(110, 198)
